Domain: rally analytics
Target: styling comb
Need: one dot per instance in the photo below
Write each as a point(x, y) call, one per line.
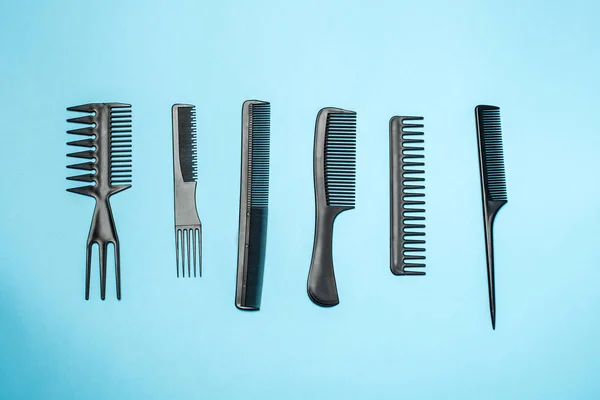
point(334, 168)
point(108, 153)
point(493, 184)
point(188, 229)
point(407, 203)
point(254, 203)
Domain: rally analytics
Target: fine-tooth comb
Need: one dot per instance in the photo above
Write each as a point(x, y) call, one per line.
point(407, 204)
point(188, 229)
point(334, 164)
point(254, 203)
point(493, 184)
point(109, 152)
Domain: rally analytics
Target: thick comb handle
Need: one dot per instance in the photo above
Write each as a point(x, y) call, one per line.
point(322, 288)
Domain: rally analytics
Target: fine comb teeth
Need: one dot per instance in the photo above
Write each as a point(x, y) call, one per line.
point(340, 159)
point(334, 172)
point(254, 203)
point(493, 185)
point(490, 134)
point(108, 151)
point(188, 229)
point(407, 169)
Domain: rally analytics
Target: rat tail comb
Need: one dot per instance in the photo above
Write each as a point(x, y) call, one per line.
point(493, 184)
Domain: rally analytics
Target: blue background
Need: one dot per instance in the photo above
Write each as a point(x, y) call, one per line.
point(390, 337)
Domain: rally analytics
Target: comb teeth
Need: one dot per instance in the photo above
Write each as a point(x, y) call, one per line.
point(89, 131)
point(120, 145)
point(259, 150)
point(412, 204)
point(490, 138)
point(340, 159)
point(90, 144)
point(188, 144)
point(107, 148)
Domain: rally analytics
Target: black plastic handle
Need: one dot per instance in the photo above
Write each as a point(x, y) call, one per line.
point(102, 232)
point(490, 210)
point(322, 288)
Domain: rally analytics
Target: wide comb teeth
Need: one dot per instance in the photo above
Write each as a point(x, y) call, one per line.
point(340, 159)
point(88, 119)
point(188, 159)
point(82, 131)
point(108, 147)
point(120, 145)
point(408, 205)
point(412, 161)
point(90, 154)
point(490, 137)
point(259, 149)
point(83, 143)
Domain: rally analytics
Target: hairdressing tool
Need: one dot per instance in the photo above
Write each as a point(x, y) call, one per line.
point(109, 154)
point(188, 229)
point(493, 184)
point(407, 203)
point(334, 168)
point(254, 203)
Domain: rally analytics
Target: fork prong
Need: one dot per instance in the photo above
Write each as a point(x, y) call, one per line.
point(177, 250)
point(194, 239)
point(117, 268)
point(183, 250)
point(200, 251)
point(183, 253)
point(88, 270)
point(189, 260)
point(102, 253)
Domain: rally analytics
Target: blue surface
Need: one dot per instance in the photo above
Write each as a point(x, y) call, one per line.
point(390, 337)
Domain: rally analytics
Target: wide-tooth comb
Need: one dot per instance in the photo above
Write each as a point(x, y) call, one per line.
point(407, 204)
point(188, 229)
point(334, 165)
point(108, 151)
point(254, 203)
point(493, 184)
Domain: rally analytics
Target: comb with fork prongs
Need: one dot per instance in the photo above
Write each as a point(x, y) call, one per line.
point(109, 165)
point(188, 229)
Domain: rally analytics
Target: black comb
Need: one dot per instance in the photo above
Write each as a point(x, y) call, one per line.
point(493, 184)
point(254, 203)
point(334, 165)
point(407, 203)
point(109, 154)
point(188, 229)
